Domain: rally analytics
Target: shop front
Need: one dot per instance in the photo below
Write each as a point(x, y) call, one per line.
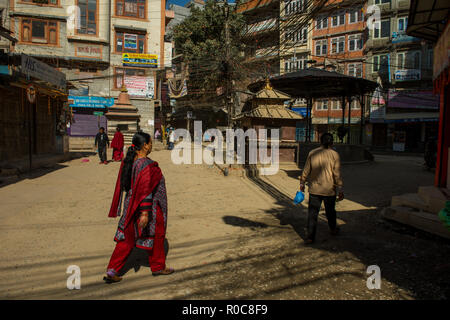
point(33, 112)
point(88, 115)
point(331, 125)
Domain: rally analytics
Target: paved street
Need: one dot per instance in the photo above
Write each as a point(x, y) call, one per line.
point(230, 237)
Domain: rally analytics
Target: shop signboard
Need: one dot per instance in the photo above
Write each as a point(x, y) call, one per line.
point(399, 141)
point(142, 60)
point(90, 102)
point(130, 41)
point(407, 75)
point(40, 70)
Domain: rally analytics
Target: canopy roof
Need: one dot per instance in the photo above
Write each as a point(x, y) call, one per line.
point(427, 18)
point(317, 83)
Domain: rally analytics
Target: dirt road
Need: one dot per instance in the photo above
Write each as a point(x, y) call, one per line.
point(230, 237)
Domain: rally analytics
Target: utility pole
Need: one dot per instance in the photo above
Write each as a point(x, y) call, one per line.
point(227, 64)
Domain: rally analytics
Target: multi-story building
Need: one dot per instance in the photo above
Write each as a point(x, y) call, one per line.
point(295, 39)
point(100, 46)
point(261, 38)
point(295, 47)
point(4, 26)
point(338, 39)
point(406, 113)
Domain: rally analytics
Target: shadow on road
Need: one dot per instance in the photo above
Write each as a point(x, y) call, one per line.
point(414, 261)
point(43, 169)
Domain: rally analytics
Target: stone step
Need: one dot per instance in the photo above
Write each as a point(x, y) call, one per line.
point(433, 197)
point(422, 220)
point(411, 200)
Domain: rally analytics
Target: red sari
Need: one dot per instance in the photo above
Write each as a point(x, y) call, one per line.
point(117, 144)
point(147, 193)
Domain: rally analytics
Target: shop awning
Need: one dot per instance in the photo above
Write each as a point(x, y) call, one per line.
point(413, 100)
point(427, 18)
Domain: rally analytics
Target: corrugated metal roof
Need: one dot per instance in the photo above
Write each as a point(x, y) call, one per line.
point(270, 112)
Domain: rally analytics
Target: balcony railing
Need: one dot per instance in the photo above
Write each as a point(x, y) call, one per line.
point(262, 26)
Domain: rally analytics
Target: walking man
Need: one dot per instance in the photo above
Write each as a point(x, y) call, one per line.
point(322, 171)
point(101, 141)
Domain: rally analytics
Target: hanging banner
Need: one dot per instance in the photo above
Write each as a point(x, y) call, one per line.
point(177, 92)
point(140, 87)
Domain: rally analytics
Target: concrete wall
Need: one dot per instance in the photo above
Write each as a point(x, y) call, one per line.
point(146, 108)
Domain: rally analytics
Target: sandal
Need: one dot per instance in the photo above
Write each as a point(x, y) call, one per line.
point(109, 279)
point(164, 272)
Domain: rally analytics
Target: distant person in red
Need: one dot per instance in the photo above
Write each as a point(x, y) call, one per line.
point(117, 145)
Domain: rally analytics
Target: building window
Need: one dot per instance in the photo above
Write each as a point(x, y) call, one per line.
point(416, 57)
point(355, 70)
point(380, 62)
point(128, 42)
point(338, 19)
point(382, 29)
point(322, 22)
point(295, 6)
point(335, 105)
point(321, 47)
point(294, 64)
point(356, 16)
point(382, 1)
point(44, 2)
point(129, 72)
point(337, 45)
point(408, 60)
point(354, 104)
point(400, 61)
point(402, 24)
point(355, 42)
point(131, 8)
point(39, 31)
point(297, 36)
point(88, 17)
point(322, 105)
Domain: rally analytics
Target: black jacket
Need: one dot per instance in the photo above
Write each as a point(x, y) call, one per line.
point(101, 140)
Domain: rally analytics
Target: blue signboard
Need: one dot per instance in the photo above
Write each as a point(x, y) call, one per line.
point(300, 111)
point(4, 69)
point(90, 102)
point(403, 37)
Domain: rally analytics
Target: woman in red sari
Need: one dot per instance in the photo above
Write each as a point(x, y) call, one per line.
point(117, 144)
point(144, 217)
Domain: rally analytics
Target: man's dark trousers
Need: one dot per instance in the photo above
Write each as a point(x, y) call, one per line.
point(315, 201)
point(102, 153)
